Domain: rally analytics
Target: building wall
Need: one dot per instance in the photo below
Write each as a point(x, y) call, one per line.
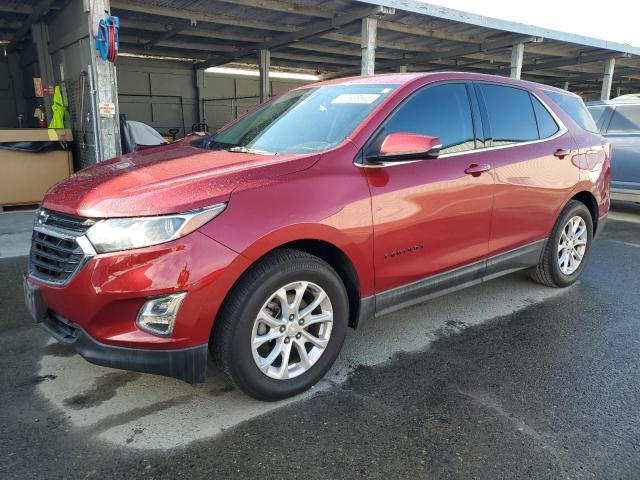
point(17, 70)
point(163, 94)
point(226, 97)
point(70, 51)
point(8, 109)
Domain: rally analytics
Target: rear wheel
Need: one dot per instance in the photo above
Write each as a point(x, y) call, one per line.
point(282, 326)
point(567, 249)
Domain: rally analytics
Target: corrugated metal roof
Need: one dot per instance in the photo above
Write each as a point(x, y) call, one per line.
point(437, 11)
point(416, 29)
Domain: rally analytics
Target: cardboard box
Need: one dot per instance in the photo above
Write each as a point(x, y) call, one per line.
point(26, 176)
point(35, 135)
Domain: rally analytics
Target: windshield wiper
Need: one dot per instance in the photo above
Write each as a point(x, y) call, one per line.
point(243, 149)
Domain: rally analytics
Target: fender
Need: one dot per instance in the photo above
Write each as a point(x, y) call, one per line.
point(595, 177)
point(300, 232)
point(590, 188)
point(360, 259)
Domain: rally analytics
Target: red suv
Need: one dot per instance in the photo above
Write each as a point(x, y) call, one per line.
point(330, 204)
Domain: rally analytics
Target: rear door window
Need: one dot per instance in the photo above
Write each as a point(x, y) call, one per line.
point(625, 119)
point(510, 114)
point(575, 108)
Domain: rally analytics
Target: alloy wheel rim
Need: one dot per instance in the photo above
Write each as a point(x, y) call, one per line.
point(572, 245)
point(292, 330)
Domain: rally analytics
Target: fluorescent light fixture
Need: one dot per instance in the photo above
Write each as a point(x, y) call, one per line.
point(157, 57)
point(256, 73)
point(229, 70)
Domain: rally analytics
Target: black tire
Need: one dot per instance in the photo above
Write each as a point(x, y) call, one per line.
point(231, 339)
point(548, 271)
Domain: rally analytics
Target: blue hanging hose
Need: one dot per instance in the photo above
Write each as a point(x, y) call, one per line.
point(108, 38)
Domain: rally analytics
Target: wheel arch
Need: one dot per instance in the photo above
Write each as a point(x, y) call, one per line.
point(326, 250)
point(591, 203)
point(341, 263)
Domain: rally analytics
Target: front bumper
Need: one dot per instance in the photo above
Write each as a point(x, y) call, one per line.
point(187, 364)
point(95, 312)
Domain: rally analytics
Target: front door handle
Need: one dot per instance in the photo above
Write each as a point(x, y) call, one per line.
point(475, 169)
point(561, 153)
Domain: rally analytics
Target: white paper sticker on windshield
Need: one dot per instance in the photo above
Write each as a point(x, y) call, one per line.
point(365, 98)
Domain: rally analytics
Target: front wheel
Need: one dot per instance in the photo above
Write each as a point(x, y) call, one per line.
point(282, 326)
point(567, 249)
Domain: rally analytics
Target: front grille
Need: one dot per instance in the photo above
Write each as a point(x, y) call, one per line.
point(66, 222)
point(62, 329)
point(55, 253)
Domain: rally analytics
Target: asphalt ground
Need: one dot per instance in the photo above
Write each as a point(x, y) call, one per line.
point(503, 380)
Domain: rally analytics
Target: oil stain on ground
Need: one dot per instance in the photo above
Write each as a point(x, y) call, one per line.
point(103, 389)
point(58, 350)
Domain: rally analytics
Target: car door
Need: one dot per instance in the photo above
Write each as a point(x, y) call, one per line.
point(429, 216)
point(531, 154)
point(623, 132)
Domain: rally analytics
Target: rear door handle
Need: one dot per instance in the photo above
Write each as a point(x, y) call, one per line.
point(475, 169)
point(561, 153)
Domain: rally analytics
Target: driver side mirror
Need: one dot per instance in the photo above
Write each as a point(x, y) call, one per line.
point(399, 147)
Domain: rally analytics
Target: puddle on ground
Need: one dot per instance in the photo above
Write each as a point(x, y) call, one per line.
point(152, 412)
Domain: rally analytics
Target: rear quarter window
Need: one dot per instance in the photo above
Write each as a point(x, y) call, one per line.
point(547, 126)
point(575, 108)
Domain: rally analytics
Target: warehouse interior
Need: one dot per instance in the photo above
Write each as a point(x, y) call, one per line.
point(188, 65)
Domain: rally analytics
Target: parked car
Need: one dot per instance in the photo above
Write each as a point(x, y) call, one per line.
point(331, 204)
point(618, 120)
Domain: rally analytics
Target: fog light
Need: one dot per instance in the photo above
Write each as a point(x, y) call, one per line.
point(158, 315)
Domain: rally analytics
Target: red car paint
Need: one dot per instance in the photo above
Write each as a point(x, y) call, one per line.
point(428, 216)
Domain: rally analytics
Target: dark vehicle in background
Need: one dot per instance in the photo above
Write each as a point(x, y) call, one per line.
point(618, 120)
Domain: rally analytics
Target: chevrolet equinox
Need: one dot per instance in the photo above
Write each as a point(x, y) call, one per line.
point(330, 204)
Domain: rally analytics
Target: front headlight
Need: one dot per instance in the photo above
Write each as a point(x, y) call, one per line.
point(126, 233)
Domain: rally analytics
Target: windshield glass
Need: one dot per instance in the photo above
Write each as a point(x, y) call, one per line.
point(302, 121)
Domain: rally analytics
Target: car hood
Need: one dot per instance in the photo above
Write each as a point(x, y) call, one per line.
point(167, 179)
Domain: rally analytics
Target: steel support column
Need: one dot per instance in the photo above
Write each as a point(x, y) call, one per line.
point(264, 62)
point(106, 92)
point(198, 74)
point(517, 55)
point(368, 45)
point(607, 78)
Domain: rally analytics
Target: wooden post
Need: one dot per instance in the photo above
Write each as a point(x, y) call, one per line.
point(402, 69)
point(368, 45)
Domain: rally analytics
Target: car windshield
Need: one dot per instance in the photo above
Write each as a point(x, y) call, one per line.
point(302, 121)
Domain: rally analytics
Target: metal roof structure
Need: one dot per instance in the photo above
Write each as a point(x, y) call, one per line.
point(326, 37)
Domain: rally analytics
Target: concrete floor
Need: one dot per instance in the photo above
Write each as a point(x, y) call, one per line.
point(504, 380)
point(15, 233)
